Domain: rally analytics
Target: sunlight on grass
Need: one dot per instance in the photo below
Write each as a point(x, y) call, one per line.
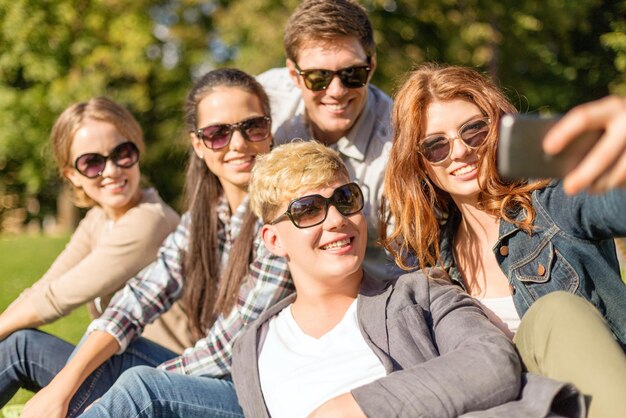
point(24, 260)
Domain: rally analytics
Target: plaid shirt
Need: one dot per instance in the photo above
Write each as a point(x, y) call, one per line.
point(153, 291)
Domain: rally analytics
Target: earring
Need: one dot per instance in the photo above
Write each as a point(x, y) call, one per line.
point(200, 156)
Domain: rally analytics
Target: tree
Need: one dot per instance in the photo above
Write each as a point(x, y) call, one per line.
point(56, 53)
point(548, 55)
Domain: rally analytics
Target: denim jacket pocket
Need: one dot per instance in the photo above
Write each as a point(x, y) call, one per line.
point(545, 270)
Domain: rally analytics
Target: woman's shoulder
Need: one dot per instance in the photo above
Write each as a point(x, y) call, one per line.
point(94, 217)
point(552, 199)
point(429, 277)
point(152, 208)
point(152, 219)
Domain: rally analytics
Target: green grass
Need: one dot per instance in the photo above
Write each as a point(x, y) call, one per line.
point(24, 260)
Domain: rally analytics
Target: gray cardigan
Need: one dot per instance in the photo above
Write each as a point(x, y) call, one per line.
point(442, 356)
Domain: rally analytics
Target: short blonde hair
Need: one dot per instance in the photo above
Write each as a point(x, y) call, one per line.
point(286, 171)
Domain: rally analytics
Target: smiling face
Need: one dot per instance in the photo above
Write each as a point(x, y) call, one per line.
point(322, 255)
point(117, 189)
point(333, 111)
point(458, 174)
point(233, 163)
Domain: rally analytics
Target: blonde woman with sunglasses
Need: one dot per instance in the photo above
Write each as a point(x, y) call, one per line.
point(532, 254)
point(97, 146)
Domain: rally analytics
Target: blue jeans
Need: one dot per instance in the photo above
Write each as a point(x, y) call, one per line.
point(31, 358)
point(141, 352)
point(147, 392)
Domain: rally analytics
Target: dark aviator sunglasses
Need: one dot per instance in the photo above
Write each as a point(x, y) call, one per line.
point(92, 165)
point(351, 77)
point(218, 136)
point(312, 210)
point(437, 148)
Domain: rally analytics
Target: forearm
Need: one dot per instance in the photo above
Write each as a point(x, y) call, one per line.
point(95, 350)
point(19, 315)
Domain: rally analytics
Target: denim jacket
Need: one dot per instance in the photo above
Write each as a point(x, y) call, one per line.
point(571, 248)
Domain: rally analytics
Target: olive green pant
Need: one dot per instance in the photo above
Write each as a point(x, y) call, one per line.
point(564, 337)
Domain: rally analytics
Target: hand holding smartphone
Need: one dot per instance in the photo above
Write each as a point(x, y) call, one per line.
point(520, 152)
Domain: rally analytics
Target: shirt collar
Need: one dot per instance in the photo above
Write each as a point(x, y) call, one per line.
point(235, 220)
point(355, 143)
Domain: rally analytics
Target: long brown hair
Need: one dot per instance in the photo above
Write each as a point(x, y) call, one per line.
point(415, 202)
point(209, 292)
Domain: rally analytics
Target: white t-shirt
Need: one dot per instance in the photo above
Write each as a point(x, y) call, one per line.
point(299, 372)
point(502, 313)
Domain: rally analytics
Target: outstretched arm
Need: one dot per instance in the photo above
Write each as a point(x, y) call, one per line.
point(604, 167)
point(145, 296)
point(85, 271)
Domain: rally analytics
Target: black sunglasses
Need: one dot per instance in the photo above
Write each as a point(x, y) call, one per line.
point(92, 165)
point(311, 210)
point(351, 77)
point(218, 136)
point(436, 148)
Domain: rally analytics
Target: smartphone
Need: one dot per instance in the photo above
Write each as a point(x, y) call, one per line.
point(520, 154)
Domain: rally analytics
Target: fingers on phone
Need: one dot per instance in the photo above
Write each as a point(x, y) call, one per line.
point(605, 165)
point(616, 177)
point(565, 130)
point(597, 115)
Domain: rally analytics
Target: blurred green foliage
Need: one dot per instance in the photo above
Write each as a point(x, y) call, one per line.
point(548, 56)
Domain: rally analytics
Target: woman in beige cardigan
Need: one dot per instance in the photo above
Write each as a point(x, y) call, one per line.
point(96, 145)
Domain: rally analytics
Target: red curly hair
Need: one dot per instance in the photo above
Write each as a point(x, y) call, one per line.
point(415, 203)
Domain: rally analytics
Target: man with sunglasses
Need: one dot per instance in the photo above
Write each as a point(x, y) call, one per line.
point(324, 94)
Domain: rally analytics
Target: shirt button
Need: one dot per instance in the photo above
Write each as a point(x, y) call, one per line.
point(504, 251)
point(512, 289)
point(541, 270)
